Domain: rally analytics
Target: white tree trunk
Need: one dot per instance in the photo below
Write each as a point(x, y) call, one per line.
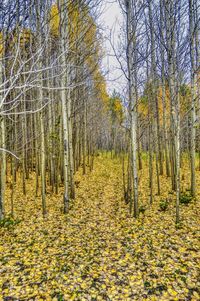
point(132, 101)
point(64, 43)
point(193, 113)
point(3, 168)
point(2, 145)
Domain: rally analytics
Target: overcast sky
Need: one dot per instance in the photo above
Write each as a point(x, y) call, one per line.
point(111, 19)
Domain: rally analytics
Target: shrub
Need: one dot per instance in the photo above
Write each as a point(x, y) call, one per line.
point(185, 198)
point(142, 209)
point(163, 205)
point(9, 222)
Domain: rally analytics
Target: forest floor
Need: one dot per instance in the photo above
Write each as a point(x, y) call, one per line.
point(98, 251)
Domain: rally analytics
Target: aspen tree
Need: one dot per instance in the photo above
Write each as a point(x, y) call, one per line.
point(131, 40)
point(193, 109)
point(63, 50)
point(170, 15)
point(2, 135)
point(163, 81)
point(156, 127)
point(41, 114)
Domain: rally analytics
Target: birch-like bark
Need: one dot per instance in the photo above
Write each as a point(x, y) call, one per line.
point(154, 87)
point(193, 112)
point(170, 40)
point(41, 114)
point(3, 168)
point(131, 40)
point(162, 52)
point(170, 15)
point(2, 144)
point(84, 135)
point(197, 71)
point(71, 152)
point(63, 48)
point(178, 156)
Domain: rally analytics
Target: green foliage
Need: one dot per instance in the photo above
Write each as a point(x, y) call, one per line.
point(185, 90)
point(147, 284)
point(115, 107)
point(59, 296)
point(144, 156)
point(9, 222)
point(144, 99)
point(53, 136)
point(179, 226)
point(185, 198)
point(163, 205)
point(142, 209)
point(148, 90)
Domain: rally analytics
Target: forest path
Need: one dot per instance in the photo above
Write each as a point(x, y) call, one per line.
point(97, 251)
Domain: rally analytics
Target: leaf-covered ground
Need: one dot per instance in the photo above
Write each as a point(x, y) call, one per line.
point(97, 251)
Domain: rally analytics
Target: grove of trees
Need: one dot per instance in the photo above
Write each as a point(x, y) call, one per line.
point(99, 174)
point(54, 107)
point(161, 54)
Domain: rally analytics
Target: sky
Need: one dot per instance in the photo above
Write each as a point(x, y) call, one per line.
point(111, 20)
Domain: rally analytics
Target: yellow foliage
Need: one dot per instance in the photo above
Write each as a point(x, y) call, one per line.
point(160, 106)
point(184, 102)
point(54, 20)
point(25, 35)
point(118, 105)
point(100, 86)
point(143, 109)
point(1, 44)
point(98, 249)
point(73, 19)
point(117, 108)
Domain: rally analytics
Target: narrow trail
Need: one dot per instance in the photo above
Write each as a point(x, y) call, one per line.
point(97, 251)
